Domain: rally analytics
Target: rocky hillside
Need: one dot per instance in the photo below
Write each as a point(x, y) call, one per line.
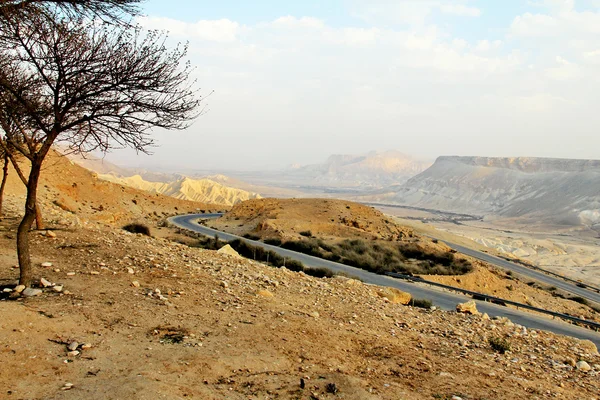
point(66, 186)
point(553, 191)
point(373, 170)
point(134, 317)
point(201, 190)
point(286, 218)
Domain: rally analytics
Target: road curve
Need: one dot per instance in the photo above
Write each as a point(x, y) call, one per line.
point(441, 298)
point(528, 272)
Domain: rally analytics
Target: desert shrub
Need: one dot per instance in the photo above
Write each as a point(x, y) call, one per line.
point(422, 303)
point(499, 345)
point(306, 233)
point(273, 241)
point(310, 247)
point(319, 272)
point(251, 236)
point(137, 228)
point(579, 299)
point(209, 243)
point(294, 265)
point(325, 246)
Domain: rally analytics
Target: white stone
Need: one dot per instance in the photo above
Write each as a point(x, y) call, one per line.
point(46, 264)
point(583, 366)
point(30, 292)
point(45, 283)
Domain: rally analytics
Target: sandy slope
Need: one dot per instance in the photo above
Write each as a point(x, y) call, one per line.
point(200, 190)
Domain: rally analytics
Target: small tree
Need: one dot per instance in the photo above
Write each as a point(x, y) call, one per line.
point(91, 85)
point(5, 162)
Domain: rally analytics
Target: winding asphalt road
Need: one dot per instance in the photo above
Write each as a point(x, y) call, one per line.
point(441, 298)
point(528, 272)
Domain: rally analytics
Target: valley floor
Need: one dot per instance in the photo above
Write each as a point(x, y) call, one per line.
point(574, 253)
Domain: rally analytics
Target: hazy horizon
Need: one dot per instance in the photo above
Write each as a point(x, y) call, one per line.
point(296, 82)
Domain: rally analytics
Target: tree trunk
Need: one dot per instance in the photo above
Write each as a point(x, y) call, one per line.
point(39, 221)
point(3, 184)
point(25, 225)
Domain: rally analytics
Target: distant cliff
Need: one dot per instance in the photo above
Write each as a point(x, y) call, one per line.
point(547, 190)
point(201, 190)
point(371, 170)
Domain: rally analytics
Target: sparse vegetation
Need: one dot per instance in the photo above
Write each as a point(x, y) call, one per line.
point(421, 303)
point(306, 233)
point(499, 345)
point(380, 257)
point(273, 241)
point(137, 228)
point(580, 300)
point(251, 236)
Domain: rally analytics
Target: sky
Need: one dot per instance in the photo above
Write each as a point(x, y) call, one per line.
point(291, 82)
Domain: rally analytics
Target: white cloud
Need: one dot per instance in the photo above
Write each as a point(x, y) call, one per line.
point(222, 30)
point(564, 71)
point(304, 22)
point(460, 10)
point(318, 82)
point(413, 12)
point(534, 25)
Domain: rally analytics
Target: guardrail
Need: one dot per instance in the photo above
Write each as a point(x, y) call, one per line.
point(497, 300)
point(530, 266)
point(566, 278)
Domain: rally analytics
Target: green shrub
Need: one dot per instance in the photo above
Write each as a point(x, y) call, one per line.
point(273, 241)
point(305, 246)
point(499, 345)
point(422, 303)
point(579, 300)
point(319, 272)
point(137, 228)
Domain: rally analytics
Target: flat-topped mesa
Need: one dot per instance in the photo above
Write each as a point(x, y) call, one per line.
point(526, 164)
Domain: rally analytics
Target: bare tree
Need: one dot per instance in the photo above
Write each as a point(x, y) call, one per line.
point(92, 85)
point(108, 10)
point(4, 156)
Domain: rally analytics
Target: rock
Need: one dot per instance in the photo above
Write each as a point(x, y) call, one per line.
point(315, 314)
point(30, 292)
point(395, 296)
point(73, 353)
point(46, 264)
point(86, 346)
point(67, 386)
point(135, 284)
point(589, 347)
point(486, 317)
point(19, 288)
point(264, 293)
point(7, 290)
point(45, 283)
point(72, 346)
point(470, 307)
point(224, 284)
point(70, 273)
point(130, 270)
point(227, 249)
point(50, 234)
point(456, 398)
point(57, 288)
point(583, 366)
